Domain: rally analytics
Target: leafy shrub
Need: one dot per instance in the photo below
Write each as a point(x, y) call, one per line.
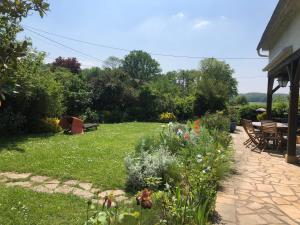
point(262, 116)
point(217, 121)
point(167, 117)
point(249, 111)
point(90, 116)
point(157, 164)
point(11, 122)
point(47, 125)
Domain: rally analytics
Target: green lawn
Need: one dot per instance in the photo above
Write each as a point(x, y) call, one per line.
point(24, 207)
point(96, 156)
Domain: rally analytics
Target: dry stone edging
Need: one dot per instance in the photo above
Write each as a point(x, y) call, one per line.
point(50, 185)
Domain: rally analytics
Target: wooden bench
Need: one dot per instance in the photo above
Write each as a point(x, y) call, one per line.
point(90, 126)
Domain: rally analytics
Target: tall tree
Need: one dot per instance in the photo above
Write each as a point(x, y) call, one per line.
point(140, 65)
point(219, 72)
point(71, 64)
point(11, 14)
point(113, 62)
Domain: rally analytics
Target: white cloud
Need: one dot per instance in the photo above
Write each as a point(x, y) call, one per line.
point(179, 15)
point(200, 24)
point(223, 18)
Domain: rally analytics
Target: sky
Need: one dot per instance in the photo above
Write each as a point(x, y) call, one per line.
point(201, 28)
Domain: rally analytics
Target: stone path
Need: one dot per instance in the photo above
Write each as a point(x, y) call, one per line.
point(50, 185)
point(264, 190)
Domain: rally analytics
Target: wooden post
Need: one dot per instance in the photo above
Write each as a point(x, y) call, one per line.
point(270, 97)
point(294, 74)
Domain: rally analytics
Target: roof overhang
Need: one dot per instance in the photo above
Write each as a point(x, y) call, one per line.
point(283, 14)
point(284, 54)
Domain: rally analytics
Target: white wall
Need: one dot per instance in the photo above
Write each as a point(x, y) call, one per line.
point(291, 37)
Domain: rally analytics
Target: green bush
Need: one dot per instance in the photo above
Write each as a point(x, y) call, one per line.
point(11, 122)
point(167, 117)
point(47, 125)
point(217, 121)
point(90, 116)
point(249, 111)
point(262, 116)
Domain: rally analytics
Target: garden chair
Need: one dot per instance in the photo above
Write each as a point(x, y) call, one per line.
point(255, 137)
point(270, 133)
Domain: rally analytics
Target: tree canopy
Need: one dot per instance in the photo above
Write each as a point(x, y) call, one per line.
point(140, 65)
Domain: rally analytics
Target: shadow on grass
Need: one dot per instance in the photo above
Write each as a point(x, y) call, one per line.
point(13, 143)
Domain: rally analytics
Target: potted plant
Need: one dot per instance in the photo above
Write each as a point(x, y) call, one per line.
point(233, 116)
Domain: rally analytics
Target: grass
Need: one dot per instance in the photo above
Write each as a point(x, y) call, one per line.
point(25, 207)
point(97, 156)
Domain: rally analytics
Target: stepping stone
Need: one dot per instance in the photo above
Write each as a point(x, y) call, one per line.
point(52, 182)
point(41, 188)
point(65, 189)
point(114, 192)
point(39, 179)
point(85, 186)
point(71, 182)
point(51, 186)
point(83, 193)
point(24, 184)
point(95, 190)
point(17, 176)
point(3, 180)
point(121, 198)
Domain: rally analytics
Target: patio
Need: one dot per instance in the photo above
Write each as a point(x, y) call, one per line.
point(264, 189)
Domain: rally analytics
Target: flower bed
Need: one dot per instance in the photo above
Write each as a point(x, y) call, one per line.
point(178, 172)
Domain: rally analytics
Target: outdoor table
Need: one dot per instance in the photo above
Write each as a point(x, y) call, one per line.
point(282, 127)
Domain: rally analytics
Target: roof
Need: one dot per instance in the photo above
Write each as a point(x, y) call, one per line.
point(283, 14)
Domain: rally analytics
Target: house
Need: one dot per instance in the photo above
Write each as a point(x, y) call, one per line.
point(280, 42)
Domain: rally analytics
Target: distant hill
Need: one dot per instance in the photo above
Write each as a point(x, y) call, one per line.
point(260, 97)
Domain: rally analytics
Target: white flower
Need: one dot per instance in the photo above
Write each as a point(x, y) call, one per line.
point(179, 132)
point(199, 160)
point(170, 124)
point(168, 186)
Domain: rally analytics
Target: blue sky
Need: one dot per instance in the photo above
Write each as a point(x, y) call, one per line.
point(218, 28)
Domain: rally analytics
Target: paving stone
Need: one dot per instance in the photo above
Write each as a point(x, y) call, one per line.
point(41, 188)
point(85, 186)
point(264, 187)
point(24, 184)
point(52, 182)
point(244, 210)
point(287, 220)
point(254, 206)
point(39, 179)
point(71, 182)
point(3, 180)
point(271, 219)
point(251, 220)
point(82, 193)
point(121, 198)
point(283, 190)
point(114, 192)
point(17, 176)
point(280, 201)
point(95, 190)
point(65, 189)
point(51, 186)
point(227, 212)
point(225, 200)
point(290, 210)
point(259, 194)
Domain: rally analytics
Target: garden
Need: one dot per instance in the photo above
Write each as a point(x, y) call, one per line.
point(162, 140)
